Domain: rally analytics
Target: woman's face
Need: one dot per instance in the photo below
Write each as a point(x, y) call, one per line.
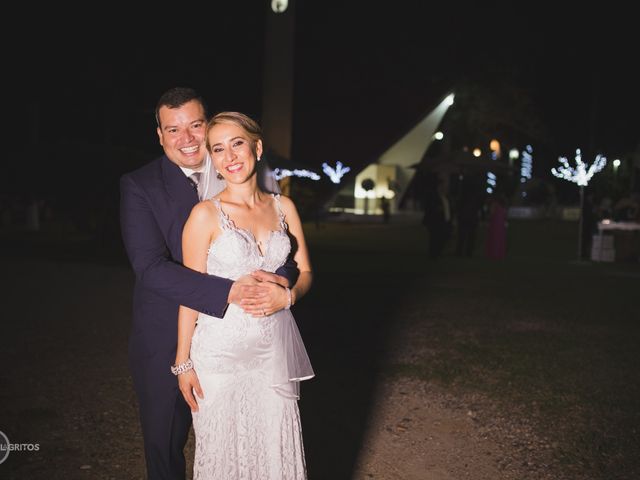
point(232, 152)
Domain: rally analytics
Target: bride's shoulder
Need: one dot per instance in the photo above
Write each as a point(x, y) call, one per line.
point(204, 210)
point(282, 200)
point(286, 203)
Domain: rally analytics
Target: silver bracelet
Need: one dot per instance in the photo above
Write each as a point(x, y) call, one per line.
point(288, 298)
point(181, 368)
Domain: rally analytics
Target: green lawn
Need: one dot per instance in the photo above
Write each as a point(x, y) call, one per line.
point(545, 336)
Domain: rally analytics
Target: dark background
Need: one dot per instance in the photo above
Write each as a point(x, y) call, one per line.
point(81, 85)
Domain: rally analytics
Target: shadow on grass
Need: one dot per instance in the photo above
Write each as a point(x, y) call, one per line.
point(346, 321)
point(533, 328)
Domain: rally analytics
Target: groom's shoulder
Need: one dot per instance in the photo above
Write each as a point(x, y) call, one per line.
point(147, 173)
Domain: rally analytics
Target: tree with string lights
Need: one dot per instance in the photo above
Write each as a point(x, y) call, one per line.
point(581, 175)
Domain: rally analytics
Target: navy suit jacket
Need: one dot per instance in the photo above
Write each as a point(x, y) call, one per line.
point(155, 202)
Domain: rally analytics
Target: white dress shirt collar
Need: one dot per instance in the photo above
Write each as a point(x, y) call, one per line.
point(189, 171)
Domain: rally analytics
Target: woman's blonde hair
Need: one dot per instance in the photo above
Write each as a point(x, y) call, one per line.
point(248, 124)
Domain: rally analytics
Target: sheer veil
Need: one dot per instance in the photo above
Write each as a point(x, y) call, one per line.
point(266, 178)
point(212, 184)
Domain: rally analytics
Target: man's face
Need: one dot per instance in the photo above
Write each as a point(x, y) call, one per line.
point(182, 134)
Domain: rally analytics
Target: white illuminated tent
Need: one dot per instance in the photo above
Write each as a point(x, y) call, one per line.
point(391, 173)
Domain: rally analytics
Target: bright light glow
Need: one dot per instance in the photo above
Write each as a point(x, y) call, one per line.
point(526, 164)
point(279, 6)
point(477, 152)
point(279, 174)
point(581, 174)
point(335, 174)
point(438, 135)
point(616, 163)
point(449, 99)
point(514, 153)
point(375, 192)
point(496, 151)
point(492, 181)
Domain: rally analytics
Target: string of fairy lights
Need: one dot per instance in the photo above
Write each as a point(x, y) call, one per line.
point(581, 173)
point(334, 174)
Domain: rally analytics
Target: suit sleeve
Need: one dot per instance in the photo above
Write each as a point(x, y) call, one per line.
point(289, 270)
point(152, 263)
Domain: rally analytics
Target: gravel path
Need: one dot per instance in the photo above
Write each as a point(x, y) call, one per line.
point(66, 387)
point(419, 431)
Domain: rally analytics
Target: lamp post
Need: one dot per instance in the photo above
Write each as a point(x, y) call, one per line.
point(581, 174)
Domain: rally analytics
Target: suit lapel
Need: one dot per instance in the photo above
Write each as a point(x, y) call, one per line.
point(177, 185)
point(182, 198)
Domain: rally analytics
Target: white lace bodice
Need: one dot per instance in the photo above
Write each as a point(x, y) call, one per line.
point(235, 252)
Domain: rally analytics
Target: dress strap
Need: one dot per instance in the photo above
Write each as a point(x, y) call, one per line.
point(225, 221)
point(281, 217)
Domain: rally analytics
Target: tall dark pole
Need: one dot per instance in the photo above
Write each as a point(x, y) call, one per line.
point(591, 152)
point(277, 91)
point(593, 112)
point(580, 223)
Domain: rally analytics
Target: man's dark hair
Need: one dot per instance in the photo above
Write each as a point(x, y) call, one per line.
point(176, 97)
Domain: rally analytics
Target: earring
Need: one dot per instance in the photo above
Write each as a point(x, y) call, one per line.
point(218, 175)
point(258, 159)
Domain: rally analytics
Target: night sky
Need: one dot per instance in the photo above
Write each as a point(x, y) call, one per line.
point(364, 73)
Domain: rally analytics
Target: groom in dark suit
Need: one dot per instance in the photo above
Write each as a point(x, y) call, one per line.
point(155, 203)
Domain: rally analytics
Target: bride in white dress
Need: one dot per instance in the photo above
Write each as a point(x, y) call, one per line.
point(244, 368)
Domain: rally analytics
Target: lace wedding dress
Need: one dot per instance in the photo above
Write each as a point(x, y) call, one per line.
point(248, 424)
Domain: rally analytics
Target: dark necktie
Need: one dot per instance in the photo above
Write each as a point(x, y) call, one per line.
point(194, 179)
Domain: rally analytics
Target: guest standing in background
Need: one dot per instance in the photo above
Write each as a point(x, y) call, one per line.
point(496, 243)
point(437, 219)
